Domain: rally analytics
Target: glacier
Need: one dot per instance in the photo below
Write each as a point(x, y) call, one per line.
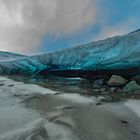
point(116, 54)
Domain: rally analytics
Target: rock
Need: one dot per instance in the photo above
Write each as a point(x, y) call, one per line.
point(98, 104)
point(96, 91)
point(119, 90)
point(136, 78)
point(105, 92)
point(107, 99)
point(136, 92)
point(11, 85)
point(117, 80)
point(100, 98)
point(113, 89)
point(65, 107)
point(132, 86)
point(98, 83)
point(104, 99)
point(1, 84)
point(135, 133)
point(123, 121)
point(16, 95)
point(103, 89)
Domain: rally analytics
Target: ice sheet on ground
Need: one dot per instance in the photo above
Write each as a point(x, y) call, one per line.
point(78, 98)
point(134, 105)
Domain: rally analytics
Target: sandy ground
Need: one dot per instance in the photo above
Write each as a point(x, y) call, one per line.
point(29, 112)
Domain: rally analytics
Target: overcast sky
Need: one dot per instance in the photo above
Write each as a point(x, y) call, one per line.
point(42, 26)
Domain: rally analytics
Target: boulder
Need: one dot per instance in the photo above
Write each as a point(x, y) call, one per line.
point(107, 98)
point(98, 83)
point(105, 92)
point(113, 89)
point(136, 78)
point(132, 86)
point(117, 80)
point(103, 89)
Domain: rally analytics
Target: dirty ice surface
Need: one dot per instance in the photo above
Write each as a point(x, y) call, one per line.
point(30, 112)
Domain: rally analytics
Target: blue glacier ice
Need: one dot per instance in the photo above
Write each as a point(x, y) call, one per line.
point(117, 53)
point(11, 63)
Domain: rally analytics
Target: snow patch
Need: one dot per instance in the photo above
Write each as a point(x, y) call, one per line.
point(78, 98)
point(22, 88)
point(134, 105)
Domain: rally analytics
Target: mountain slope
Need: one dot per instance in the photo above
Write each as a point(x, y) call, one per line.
point(7, 56)
point(117, 53)
point(11, 63)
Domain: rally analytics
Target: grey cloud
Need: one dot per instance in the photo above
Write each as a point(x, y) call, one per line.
point(26, 21)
